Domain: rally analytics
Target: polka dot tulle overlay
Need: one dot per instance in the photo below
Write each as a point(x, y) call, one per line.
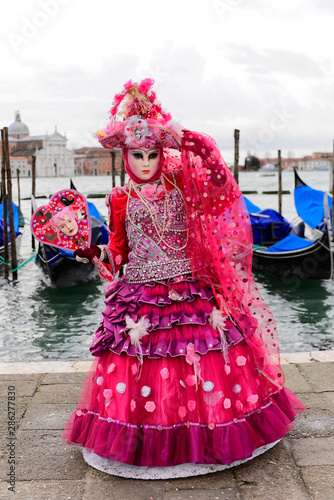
point(168, 392)
point(164, 413)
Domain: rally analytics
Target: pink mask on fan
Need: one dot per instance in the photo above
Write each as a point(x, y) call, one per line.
point(143, 165)
point(64, 222)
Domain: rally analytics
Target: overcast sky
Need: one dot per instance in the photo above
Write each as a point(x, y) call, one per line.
point(263, 66)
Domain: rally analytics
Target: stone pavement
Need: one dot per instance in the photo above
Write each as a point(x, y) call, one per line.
point(300, 467)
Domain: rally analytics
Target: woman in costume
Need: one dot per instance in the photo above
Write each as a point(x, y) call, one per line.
point(186, 378)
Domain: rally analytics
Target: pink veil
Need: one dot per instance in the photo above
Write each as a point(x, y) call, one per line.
point(220, 249)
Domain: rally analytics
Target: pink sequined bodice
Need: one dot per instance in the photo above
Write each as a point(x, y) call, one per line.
point(156, 255)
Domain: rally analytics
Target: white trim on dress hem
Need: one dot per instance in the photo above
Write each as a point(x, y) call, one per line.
point(176, 471)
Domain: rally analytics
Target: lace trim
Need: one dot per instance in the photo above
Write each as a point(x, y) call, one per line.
point(182, 470)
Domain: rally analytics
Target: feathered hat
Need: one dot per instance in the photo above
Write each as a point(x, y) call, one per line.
point(138, 120)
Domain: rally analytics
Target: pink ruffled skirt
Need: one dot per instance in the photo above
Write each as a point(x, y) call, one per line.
point(174, 408)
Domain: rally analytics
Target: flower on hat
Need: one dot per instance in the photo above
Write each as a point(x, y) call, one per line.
point(145, 85)
point(136, 130)
point(128, 85)
point(138, 100)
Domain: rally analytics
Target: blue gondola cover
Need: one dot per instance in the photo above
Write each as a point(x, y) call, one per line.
point(93, 211)
point(251, 207)
point(16, 221)
point(291, 242)
point(271, 228)
point(310, 205)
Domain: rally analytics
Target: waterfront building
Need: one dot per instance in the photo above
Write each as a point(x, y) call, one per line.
point(317, 161)
point(96, 161)
point(285, 162)
point(53, 159)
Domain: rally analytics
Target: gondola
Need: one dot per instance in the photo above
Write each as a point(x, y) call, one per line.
point(309, 204)
point(18, 226)
point(313, 261)
point(292, 256)
point(61, 266)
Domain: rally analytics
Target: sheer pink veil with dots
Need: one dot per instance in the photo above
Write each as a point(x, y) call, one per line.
point(220, 248)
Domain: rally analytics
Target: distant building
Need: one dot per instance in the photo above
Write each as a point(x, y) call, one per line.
point(22, 164)
point(317, 161)
point(96, 161)
point(285, 162)
point(53, 159)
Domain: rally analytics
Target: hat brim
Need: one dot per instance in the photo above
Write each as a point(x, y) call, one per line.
point(161, 136)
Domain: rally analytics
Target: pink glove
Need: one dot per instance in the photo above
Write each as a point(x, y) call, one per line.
point(206, 148)
point(87, 254)
point(197, 143)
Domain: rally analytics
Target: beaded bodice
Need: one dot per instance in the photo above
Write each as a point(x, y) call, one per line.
point(156, 254)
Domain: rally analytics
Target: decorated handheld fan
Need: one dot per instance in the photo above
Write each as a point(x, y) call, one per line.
point(64, 222)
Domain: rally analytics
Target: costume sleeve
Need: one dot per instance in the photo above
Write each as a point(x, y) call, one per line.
point(213, 181)
point(117, 248)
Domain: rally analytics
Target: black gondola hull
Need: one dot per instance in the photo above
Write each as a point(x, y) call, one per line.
point(64, 271)
point(313, 262)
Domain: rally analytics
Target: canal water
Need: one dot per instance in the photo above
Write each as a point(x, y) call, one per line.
point(38, 322)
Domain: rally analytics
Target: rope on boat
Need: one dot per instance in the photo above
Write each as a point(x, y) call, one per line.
point(2, 261)
point(50, 260)
point(325, 246)
point(24, 220)
point(259, 247)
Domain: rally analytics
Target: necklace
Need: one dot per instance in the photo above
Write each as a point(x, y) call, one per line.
point(154, 212)
point(166, 217)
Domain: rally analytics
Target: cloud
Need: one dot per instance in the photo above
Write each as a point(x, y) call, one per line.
point(264, 68)
point(270, 60)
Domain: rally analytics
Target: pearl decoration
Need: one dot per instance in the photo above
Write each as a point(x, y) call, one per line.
point(121, 387)
point(208, 386)
point(145, 391)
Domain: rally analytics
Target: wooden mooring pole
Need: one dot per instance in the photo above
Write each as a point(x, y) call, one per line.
point(122, 173)
point(33, 192)
point(236, 155)
point(10, 206)
point(333, 192)
point(113, 168)
point(4, 204)
point(18, 187)
point(122, 184)
point(279, 165)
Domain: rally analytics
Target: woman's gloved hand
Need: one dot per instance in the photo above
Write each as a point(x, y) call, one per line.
point(206, 148)
point(197, 143)
point(87, 254)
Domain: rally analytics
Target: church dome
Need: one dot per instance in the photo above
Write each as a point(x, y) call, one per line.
point(18, 129)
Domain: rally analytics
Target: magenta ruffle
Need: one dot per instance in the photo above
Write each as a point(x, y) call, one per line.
point(172, 321)
point(148, 446)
